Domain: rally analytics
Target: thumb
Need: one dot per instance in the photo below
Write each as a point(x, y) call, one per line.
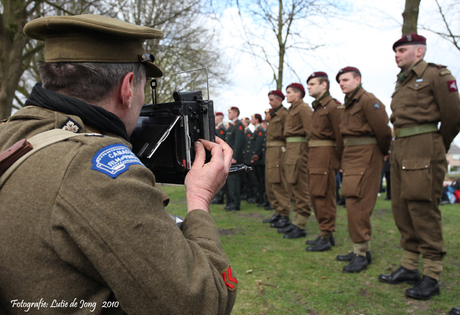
point(200, 154)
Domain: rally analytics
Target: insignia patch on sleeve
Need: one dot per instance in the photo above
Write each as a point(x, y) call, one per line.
point(114, 159)
point(230, 282)
point(452, 85)
point(376, 105)
point(240, 127)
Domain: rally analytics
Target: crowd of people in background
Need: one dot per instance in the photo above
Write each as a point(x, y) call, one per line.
point(307, 153)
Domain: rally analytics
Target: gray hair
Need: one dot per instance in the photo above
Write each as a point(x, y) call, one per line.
point(91, 82)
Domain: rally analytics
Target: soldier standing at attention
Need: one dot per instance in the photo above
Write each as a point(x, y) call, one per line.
point(235, 139)
point(366, 138)
point(295, 162)
point(426, 94)
point(221, 132)
point(249, 180)
point(274, 176)
point(258, 157)
point(325, 151)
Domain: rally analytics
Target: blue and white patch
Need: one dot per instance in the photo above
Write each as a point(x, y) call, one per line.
point(114, 160)
point(376, 105)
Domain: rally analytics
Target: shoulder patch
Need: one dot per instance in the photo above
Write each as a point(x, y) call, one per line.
point(444, 72)
point(240, 127)
point(336, 101)
point(71, 125)
point(376, 105)
point(229, 280)
point(436, 65)
point(114, 160)
point(452, 86)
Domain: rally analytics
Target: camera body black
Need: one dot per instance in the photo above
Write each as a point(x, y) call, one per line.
point(165, 133)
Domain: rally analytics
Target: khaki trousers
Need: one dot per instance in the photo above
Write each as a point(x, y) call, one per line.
point(323, 165)
point(276, 182)
point(362, 166)
point(418, 166)
point(296, 172)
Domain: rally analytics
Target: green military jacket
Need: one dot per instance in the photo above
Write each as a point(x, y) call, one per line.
point(235, 139)
point(428, 95)
point(258, 141)
point(221, 131)
point(76, 228)
point(248, 146)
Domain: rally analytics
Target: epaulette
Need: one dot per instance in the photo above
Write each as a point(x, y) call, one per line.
point(340, 106)
point(436, 65)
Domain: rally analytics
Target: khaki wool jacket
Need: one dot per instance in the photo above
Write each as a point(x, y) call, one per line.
point(70, 232)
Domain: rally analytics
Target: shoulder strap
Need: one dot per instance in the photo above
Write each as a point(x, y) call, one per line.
point(39, 142)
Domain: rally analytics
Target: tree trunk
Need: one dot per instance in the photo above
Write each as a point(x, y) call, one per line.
point(410, 17)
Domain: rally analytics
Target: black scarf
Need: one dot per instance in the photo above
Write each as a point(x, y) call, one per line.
point(349, 99)
point(91, 115)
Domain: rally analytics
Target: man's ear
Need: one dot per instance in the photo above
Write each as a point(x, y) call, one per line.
point(126, 92)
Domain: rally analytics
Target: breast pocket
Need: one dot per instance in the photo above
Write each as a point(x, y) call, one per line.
point(321, 120)
point(355, 120)
point(417, 94)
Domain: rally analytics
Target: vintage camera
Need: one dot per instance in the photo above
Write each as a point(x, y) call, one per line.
point(164, 134)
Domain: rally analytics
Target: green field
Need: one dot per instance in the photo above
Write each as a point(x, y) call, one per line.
point(277, 276)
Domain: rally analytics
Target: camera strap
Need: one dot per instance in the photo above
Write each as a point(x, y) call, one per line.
point(12, 158)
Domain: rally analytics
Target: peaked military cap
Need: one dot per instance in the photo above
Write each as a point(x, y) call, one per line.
point(410, 39)
point(317, 75)
point(94, 38)
point(297, 86)
point(345, 70)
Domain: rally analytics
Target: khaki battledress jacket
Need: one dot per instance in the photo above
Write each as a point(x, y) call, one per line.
point(364, 118)
point(325, 151)
point(428, 95)
point(274, 176)
point(71, 232)
point(297, 126)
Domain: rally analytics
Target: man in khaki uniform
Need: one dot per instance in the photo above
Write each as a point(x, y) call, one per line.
point(274, 176)
point(82, 219)
point(325, 151)
point(425, 95)
point(295, 161)
point(367, 139)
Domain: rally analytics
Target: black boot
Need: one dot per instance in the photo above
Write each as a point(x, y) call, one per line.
point(455, 311)
point(313, 242)
point(286, 229)
point(425, 289)
point(322, 245)
point(281, 223)
point(217, 201)
point(358, 263)
point(269, 207)
point(295, 233)
point(400, 276)
point(349, 257)
point(273, 218)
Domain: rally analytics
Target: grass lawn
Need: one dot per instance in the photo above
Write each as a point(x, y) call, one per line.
point(277, 276)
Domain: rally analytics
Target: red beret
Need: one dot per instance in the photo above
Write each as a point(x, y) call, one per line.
point(277, 93)
point(219, 114)
point(246, 119)
point(410, 39)
point(257, 116)
point(317, 75)
point(345, 70)
point(297, 86)
point(234, 108)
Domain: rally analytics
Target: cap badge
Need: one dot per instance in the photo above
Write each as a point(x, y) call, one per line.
point(409, 37)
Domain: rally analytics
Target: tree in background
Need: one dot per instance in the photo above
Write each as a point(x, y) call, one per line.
point(282, 26)
point(190, 43)
point(410, 17)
